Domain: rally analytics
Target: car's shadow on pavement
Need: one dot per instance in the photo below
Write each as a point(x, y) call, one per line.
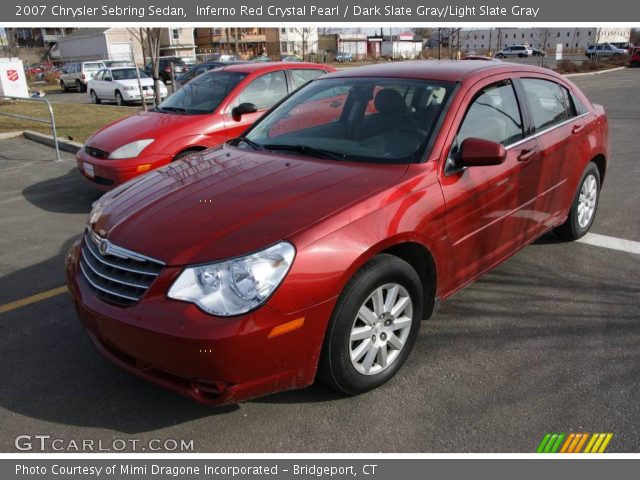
point(68, 193)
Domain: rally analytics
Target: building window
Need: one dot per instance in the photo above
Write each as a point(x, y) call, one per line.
point(283, 30)
point(558, 34)
point(589, 33)
point(175, 33)
point(283, 47)
point(577, 34)
point(514, 35)
point(566, 45)
point(523, 35)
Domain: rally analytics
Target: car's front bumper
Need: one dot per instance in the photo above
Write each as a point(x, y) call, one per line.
point(109, 173)
point(211, 359)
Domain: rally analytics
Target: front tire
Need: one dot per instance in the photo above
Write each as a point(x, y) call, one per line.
point(94, 98)
point(119, 100)
point(584, 206)
point(373, 327)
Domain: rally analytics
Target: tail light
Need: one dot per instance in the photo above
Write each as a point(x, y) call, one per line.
point(167, 69)
point(83, 77)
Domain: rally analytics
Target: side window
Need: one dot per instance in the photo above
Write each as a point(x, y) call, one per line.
point(98, 76)
point(493, 115)
point(547, 101)
point(300, 77)
point(265, 91)
point(578, 105)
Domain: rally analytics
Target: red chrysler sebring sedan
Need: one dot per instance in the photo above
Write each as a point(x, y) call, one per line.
point(315, 244)
point(206, 112)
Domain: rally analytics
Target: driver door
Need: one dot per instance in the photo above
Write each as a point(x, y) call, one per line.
point(487, 213)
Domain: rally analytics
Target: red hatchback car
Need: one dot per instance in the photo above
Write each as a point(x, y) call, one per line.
point(208, 111)
point(317, 242)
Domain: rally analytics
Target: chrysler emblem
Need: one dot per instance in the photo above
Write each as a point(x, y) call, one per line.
point(104, 246)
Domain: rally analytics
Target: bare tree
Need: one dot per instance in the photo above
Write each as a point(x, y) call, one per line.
point(305, 35)
point(10, 46)
point(149, 39)
point(543, 35)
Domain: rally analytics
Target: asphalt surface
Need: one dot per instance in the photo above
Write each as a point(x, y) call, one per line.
point(548, 341)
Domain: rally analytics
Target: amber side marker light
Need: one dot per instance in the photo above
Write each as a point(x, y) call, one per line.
point(286, 327)
point(143, 168)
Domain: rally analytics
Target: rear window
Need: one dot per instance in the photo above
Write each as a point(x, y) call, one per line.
point(127, 74)
point(548, 102)
point(93, 67)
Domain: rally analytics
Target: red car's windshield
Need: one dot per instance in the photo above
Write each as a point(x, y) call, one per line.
point(359, 119)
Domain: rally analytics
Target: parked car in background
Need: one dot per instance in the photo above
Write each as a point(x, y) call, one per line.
point(604, 50)
point(261, 58)
point(77, 75)
point(515, 51)
point(53, 75)
point(206, 112)
point(165, 66)
point(536, 52)
point(634, 59)
point(120, 85)
point(189, 61)
point(34, 71)
point(200, 68)
point(626, 46)
point(290, 58)
point(322, 247)
point(344, 57)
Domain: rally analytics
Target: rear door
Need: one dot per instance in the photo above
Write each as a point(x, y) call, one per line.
point(558, 124)
point(264, 91)
point(487, 213)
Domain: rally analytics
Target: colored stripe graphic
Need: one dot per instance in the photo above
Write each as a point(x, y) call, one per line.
point(573, 442)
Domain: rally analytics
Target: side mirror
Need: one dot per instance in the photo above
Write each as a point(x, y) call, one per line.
point(243, 109)
point(476, 152)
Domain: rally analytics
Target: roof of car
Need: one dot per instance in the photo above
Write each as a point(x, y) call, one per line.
point(252, 67)
point(439, 70)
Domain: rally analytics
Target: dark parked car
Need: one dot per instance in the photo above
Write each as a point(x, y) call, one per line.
point(200, 68)
point(318, 241)
point(165, 64)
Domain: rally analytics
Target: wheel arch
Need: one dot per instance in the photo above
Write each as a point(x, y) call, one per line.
point(421, 259)
point(600, 162)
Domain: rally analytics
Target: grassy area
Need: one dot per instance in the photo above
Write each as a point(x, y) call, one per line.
point(73, 122)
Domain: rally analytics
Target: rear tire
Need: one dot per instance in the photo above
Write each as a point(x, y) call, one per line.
point(79, 86)
point(373, 327)
point(584, 206)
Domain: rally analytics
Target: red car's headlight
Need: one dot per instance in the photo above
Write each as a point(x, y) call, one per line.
point(235, 286)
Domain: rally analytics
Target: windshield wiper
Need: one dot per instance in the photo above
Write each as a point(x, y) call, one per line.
point(251, 143)
point(307, 150)
point(172, 109)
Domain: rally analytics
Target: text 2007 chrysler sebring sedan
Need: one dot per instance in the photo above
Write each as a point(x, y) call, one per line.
point(315, 244)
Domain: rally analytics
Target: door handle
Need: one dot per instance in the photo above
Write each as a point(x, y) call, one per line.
point(528, 154)
point(576, 129)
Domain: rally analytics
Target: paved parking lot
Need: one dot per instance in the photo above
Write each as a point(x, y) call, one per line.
point(549, 341)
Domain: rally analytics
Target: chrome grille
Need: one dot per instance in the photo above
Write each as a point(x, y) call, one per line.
point(116, 275)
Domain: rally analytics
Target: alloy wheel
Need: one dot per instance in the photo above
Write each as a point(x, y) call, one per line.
point(380, 329)
point(587, 201)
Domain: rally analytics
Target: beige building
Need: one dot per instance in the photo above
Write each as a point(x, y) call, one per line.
point(242, 41)
point(121, 43)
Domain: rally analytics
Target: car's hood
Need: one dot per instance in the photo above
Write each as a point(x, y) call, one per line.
point(228, 202)
point(141, 126)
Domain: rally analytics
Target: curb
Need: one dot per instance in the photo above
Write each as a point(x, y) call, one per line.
point(599, 72)
point(8, 135)
point(63, 145)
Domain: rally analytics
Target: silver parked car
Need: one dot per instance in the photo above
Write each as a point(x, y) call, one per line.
point(77, 75)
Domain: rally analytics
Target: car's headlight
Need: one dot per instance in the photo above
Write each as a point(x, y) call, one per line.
point(131, 150)
point(235, 286)
point(130, 88)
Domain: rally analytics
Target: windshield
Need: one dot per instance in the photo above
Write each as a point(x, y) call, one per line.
point(127, 74)
point(203, 94)
point(357, 119)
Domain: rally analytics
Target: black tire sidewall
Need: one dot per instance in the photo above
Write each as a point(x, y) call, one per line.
point(377, 272)
point(119, 99)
